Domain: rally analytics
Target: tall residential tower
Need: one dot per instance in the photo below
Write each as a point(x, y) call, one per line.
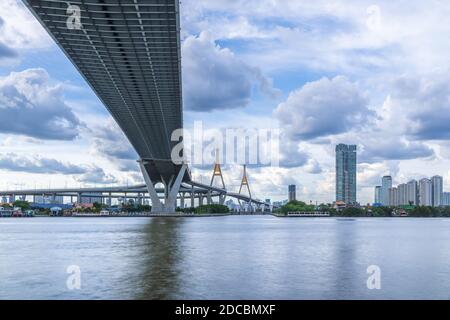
point(346, 173)
point(292, 193)
point(386, 184)
point(437, 184)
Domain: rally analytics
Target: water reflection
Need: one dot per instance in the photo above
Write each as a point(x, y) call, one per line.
point(162, 252)
point(345, 274)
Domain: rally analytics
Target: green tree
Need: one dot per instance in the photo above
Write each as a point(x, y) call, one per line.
point(212, 208)
point(297, 206)
point(422, 211)
point(352, 212)
point(24, 205)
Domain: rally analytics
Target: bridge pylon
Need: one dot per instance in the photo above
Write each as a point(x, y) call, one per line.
point(217, 172)
point(245, 183)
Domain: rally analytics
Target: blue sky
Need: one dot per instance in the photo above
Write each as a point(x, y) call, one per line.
point(370, 73)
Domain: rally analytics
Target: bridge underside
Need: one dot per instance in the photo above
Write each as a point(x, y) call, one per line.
point(128, 51)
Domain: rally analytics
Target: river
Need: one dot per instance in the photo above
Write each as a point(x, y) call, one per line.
point(230, 257)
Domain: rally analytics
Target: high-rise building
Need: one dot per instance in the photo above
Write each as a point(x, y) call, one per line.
point(386, 184)
point(412, 193)
point(393, 197)
point(346, 173)
point(292, 193)
point(437, 185)
point(377, 198)
point(402, 194)
point(425, 192)
point(446, 199)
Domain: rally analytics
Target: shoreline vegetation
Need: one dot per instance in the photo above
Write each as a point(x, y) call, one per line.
point(368, 211)
point(291, 209)
point(97, 209)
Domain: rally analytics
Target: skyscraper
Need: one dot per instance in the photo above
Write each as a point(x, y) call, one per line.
point(402, 194)
point(446, 199)
point(346, 173)
point(437, 185)
point(292, 193)
point(377, 198)
point(425, 192)
point(393, 197)
point(412, 193)
point(386, 184)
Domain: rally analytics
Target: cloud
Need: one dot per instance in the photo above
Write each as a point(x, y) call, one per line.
point(422, 105)
point(110, 142)
point(370, 174)
point(322, 108)
point(292, 156)
point(5, 51)
point(214, 78)
point(393, 149)
point(96, 175)
point(313, 167)
point(336, 36)
point(40, 165)
point(20, 29)
point(31, 106)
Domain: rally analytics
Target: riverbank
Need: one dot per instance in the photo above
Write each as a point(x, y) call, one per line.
point(143, 215)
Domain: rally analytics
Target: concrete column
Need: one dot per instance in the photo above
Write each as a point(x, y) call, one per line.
point(200, 198)
point(182, 200)
point(79, 197)
point(172, 189)
point(192, 197)
point(208, 199)
point(157, 206)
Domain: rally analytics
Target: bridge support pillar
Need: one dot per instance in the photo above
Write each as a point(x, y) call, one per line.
point(208, 199)
point(171, 192)
point(192, 197)
point(222, 198)
point(182, 200)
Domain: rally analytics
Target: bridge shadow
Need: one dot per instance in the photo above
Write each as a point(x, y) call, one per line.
point(160, 274)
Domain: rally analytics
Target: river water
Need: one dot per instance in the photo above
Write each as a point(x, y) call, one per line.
point(231, 257)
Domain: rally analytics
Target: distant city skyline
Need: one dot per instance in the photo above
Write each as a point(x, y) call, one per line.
point(425, 192)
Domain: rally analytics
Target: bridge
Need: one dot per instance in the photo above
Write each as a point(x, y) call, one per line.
point(128, 51)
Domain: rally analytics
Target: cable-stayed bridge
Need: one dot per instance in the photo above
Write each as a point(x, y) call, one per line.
point(128, 51)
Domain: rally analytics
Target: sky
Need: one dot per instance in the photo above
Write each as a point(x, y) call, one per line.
point(374, 74)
